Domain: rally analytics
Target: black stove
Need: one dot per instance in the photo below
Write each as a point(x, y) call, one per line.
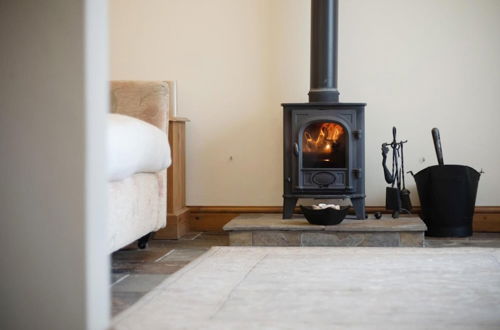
point(324, 139)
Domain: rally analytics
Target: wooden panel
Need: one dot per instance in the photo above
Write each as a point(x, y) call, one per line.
point(176, 174)
point(177, 212)
point(213, 218)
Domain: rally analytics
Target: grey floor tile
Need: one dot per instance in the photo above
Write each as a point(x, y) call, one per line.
point(116, 277)
point(476, 240)
point(149, 267)
point(191, 236)
point(206, 240)
point(123, 300)
point(486, 236)
point(138, 283)
point(183, 255)
point(148, 254)
point(462, 243)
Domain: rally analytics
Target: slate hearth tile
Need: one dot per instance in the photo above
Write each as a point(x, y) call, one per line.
point(411, 239)
point(276, 238)
point(240, 238)
point(385, 239)
point(332, 239)
point(350, 239)
point(382, 225)
point(272, 222)
point(249, 216)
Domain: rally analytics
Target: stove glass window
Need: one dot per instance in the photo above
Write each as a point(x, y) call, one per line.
point(324, 146)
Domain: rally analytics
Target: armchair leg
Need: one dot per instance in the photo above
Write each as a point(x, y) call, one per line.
point(142, 242)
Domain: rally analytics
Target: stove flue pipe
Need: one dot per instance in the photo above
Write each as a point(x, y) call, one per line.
point(324, 32)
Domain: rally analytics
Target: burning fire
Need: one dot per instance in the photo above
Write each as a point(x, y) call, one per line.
point(322, 140)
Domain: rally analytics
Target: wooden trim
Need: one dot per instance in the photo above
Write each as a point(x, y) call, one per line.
point(213, 218)
point(487, 209)
point(236, 209)
point(178, 213)
point(278, 209)
point(179, 119)
point(262, 209)
point(486, 222)
point(177, 225)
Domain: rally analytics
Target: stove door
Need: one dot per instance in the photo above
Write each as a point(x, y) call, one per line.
point(323, 148)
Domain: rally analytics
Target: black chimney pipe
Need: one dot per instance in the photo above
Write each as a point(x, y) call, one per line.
point(324, 32)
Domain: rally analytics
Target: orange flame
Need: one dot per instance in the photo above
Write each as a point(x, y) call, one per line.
point(322, 140)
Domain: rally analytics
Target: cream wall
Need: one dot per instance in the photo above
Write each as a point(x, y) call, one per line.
point(418, 64)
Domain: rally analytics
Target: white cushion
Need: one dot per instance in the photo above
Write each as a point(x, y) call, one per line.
point(135, 146)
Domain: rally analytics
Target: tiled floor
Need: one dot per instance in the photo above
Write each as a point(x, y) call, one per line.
point(491, 240)
point(136, 272)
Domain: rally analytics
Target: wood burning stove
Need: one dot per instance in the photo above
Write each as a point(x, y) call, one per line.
point(324, 139)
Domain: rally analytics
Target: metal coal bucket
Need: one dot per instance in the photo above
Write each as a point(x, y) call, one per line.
point(447, 196)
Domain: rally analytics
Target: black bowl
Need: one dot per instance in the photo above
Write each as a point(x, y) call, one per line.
point(324, 217)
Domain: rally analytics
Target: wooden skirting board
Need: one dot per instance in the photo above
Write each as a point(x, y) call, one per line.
point(177, 225)
point(213, 218)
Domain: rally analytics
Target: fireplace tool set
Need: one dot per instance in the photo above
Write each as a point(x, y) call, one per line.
point(397, 197)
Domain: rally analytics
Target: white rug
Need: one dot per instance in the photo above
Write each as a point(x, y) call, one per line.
point(326, 288)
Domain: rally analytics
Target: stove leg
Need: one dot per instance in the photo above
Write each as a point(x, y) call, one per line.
point(288, 206)
point(359, 208)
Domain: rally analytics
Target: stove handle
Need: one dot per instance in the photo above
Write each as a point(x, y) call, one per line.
point(296, 149)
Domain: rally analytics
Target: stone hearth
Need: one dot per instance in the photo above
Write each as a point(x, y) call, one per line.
point(272, 230)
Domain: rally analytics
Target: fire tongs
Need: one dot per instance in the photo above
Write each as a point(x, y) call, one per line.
point(397, 197)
